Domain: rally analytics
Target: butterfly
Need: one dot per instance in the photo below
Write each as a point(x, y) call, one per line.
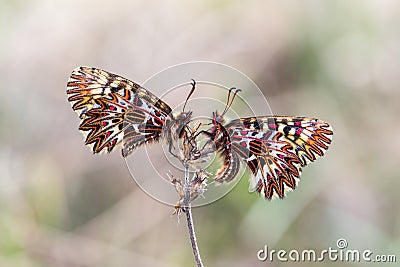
point(114, 110)
point(273, 148)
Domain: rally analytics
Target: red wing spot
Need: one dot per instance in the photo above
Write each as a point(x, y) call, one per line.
point(297, 123)
point(137, 101)
point(243, 132)
point(272, 126)
point(112, 108)
point(108, 133)
point(158, 113)
point(104, 123)
point(243, 143)
point(280, 156)
point(299, 130)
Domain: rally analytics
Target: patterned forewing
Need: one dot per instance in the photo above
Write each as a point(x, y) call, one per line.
point(275, 148)
point(309, 137)
point(114, 110)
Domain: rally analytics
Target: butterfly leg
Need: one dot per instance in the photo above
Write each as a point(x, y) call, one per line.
point(208, 147)
point(171, 147)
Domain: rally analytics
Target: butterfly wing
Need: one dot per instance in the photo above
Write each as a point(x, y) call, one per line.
point(275, 148)
point(114, 110)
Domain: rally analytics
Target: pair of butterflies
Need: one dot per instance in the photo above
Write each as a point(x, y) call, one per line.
point(114, 110)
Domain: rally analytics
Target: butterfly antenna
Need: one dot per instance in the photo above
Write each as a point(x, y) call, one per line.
point(229, 103)
point(193, 83)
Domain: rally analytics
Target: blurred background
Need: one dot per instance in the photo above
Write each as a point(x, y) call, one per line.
point(335, 60)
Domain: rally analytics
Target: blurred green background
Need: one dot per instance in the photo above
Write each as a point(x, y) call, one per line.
point(335, 60)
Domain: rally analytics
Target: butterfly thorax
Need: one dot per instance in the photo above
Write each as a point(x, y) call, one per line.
point(177, 130)
point(218, 133)
point(176, 125)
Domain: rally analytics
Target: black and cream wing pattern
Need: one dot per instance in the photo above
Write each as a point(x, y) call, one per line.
point(114, 110)
point(274, 149)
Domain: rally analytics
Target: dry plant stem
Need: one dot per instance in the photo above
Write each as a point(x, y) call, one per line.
point(189, 218)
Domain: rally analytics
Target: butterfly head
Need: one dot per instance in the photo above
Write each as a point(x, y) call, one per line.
point(217, 123)
point(179, 122)
point(218, 118)
point(183, 117)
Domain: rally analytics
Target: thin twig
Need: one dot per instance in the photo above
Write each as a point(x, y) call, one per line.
point(189, 218)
